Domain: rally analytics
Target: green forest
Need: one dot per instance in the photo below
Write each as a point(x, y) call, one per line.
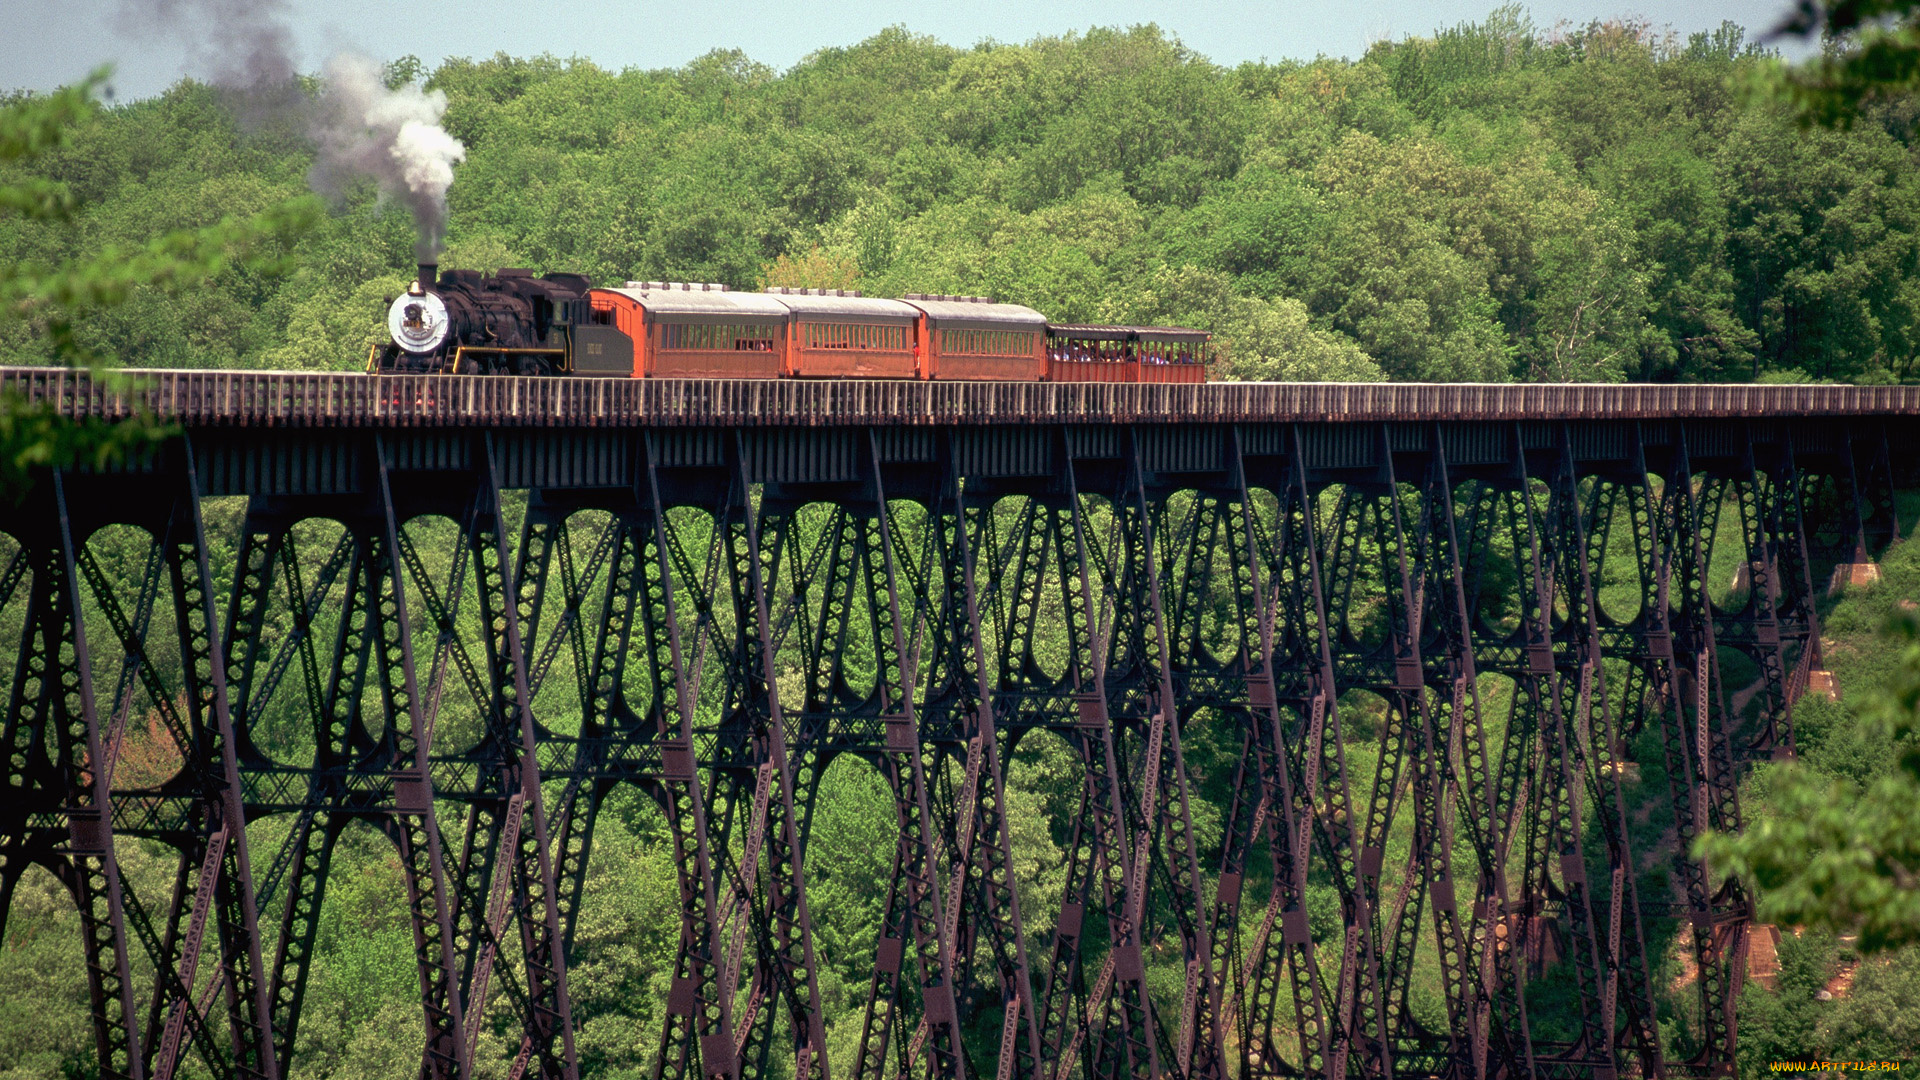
point(1494, 202)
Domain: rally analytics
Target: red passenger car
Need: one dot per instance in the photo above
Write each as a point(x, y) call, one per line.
point(835, 333)
point(1077, 353)
point(683, 331)
point(1126, 354)
point(1172, 354)
point(973, 338)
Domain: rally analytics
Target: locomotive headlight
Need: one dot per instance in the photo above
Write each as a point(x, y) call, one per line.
point(418, 322)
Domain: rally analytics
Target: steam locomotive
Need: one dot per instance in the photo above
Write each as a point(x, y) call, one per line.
point(513, 323)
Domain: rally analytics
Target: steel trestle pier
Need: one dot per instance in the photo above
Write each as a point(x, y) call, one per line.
point(1429, 655)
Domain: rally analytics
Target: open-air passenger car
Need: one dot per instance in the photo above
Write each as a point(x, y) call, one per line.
point(1126, 354)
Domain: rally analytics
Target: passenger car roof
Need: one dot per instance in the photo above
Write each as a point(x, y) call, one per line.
point(821, 306)
point(1179, 334)
point(1086, 332)
point(681, 304)
point(975, 313)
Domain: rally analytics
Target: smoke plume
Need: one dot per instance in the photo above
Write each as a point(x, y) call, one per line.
point(242, 45)
point(358, 126)
point(361, 128)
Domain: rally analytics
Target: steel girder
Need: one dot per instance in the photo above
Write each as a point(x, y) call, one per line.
point(1402, 652)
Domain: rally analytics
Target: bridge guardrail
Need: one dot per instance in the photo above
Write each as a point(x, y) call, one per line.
point(336, 399)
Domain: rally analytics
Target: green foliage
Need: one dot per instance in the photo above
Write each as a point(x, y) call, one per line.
point(1257, 339)
point(1880, 1018)
point(1491, 202)
point(814, 269)
point(40, 964)
point(1871, 52)
point(34, 436)
point(58, 280)
point(1782, 1024)
point(55, 285)
point(1838, 843)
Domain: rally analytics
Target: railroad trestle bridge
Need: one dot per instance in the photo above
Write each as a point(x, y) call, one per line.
point(1435, 624)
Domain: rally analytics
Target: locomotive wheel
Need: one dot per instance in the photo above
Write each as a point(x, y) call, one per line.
point(528, 365)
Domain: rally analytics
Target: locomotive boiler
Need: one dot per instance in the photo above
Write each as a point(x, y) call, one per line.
point(514, 323)
point(509, 322)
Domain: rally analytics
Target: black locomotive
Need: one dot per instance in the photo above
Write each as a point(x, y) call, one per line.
point(508, 322)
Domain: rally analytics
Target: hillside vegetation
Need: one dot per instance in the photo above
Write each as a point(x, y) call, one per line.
point(1493, 202)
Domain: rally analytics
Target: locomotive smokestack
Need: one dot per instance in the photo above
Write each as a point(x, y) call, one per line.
point(429, 276)
point(361, 128)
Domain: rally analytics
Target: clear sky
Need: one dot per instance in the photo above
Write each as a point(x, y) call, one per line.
point(49, 42)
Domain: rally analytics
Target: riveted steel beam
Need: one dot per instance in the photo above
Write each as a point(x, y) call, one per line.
point(1306, 620)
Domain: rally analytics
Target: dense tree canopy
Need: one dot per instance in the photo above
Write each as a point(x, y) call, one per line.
point(52, 292)
point(1492, 202)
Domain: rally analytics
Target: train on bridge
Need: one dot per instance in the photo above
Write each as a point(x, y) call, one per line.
point(513, 323)
point(508, 623)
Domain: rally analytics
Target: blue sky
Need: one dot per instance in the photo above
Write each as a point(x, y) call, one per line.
point(50, 42)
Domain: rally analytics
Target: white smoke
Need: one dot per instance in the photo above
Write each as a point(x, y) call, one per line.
point(362, 128)
point(358, 125)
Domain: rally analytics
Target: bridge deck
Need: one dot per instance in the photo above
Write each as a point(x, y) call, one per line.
point(657, 583)
point(330, 399)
